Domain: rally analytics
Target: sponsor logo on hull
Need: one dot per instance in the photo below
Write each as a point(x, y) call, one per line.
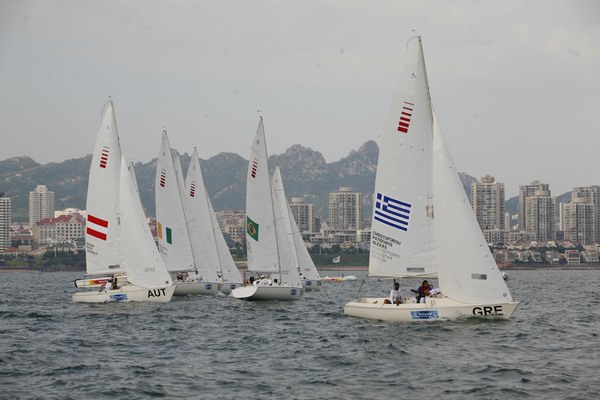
point(117, 297)
point(425, 314)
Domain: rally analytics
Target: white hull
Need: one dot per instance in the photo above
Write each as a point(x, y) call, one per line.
point(268, 293)
point(436, 308)
point(227, 287)
point(203, 288)
point(310, 284)
point(127, 293)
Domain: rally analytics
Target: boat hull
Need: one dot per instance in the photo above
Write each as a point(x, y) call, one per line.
point(311, 284)
point(126, 294)
point(268, 293)
point(227, 287)
point(196, 288)
point(436, 308)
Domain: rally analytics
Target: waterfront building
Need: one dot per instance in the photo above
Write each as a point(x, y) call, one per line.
point(578, 218)
point(60, 229)
point(487, 201)
point(41, 204)
point(345, 209)
point(5, 220)
point(593, 196)
point(304, 214)
point(69, 211)
point(539, 211)
point(526, 191)
point(233, 223)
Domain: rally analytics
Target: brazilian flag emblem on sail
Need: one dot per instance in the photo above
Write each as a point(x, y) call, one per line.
point(252, 228)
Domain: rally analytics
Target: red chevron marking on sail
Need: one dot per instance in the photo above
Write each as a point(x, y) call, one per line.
point(405, 115)
point(104, 157)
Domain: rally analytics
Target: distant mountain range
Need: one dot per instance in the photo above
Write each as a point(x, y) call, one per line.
point(305, 174)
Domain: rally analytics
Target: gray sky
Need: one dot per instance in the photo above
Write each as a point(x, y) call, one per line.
point(516, 84)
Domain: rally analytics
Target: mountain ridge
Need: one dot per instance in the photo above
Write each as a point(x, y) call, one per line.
point(305, 172)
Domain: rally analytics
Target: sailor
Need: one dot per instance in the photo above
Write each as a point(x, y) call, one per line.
point(108, 286)
point(395, 295)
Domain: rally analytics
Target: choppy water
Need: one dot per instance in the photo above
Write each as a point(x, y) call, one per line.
point(222, 348)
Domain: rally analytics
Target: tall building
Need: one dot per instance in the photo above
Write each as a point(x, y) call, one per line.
point(487, 201)
point(304, 214)
point(578, 220)
point(41, 204)
point(524, 192)
point(5, 220)
point(345, 209)
point(233, 223)
point(540, 215)
point(593, 195)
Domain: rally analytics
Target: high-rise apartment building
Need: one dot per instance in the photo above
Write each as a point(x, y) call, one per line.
point(593, 197)
point(41, 204)
point(578, 218)
point(345, 209)
point(304, 214)
point(233, 223)
point(5, 220)
point(487, 201)
point(540, 215)
point(524, 192)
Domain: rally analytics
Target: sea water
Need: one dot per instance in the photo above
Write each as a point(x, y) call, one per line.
point(223, 348)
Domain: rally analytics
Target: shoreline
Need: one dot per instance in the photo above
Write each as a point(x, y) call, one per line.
point(512, 267)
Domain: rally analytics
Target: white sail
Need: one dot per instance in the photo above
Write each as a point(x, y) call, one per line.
point(288, 253)
point(173, 237)
point(467, 271)
point(206, 266)
point(139, 255)
point(102, 225)
point(402, 225)
point(201, 208)
point(300, 256)
point(131, 169)
point(261, 239)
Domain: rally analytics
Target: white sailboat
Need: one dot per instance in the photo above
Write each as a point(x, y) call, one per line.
point(267, 246)
point(219, 255)
point(118, 239)
point(422, 219)
point(309, 275)
point(179, 240)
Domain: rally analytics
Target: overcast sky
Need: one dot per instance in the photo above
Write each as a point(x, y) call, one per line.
point(516, 84)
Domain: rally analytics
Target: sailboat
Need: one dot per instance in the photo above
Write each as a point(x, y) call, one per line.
point(422, 220)
point(309, 275)
point(219, 255)
point(118, 239)
point(179, 240)
point(268, 249)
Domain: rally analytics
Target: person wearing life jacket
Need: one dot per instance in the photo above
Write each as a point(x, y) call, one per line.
point(424, 291)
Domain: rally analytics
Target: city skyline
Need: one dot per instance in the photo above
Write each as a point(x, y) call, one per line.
point(515, 83)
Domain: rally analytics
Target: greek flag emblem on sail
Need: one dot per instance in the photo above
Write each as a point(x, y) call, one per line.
point(392, 212)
